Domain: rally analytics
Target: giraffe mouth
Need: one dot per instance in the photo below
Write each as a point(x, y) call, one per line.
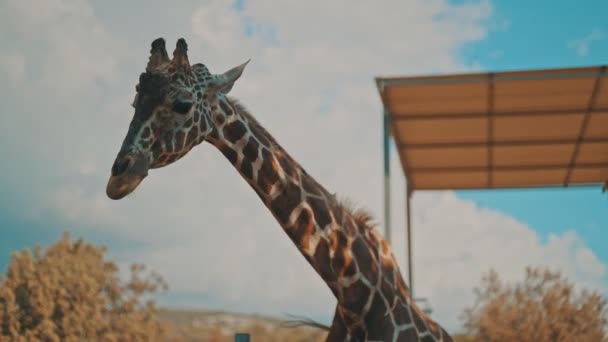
point(120, 186)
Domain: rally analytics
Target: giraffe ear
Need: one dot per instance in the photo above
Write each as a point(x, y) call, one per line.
point(223, 83)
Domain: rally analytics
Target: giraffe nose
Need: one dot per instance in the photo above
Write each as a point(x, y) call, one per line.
point(122, 165)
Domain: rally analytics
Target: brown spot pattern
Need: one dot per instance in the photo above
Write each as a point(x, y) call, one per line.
point(234, 131)
point(320, 211)
point(286, 202)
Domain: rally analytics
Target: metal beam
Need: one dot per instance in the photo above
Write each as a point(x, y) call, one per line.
point(387, 176)
point(482, 77)
point(583, 128)
point(481, 115)
point(556, 186)
point(410, 263)
point(508, 143)
point(419, 170)
point(490, 128)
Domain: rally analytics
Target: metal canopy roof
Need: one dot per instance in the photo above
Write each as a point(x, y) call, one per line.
point(520, 129)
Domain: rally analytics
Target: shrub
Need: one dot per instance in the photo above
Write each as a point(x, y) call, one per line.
point(544, 307)
point(69, 292)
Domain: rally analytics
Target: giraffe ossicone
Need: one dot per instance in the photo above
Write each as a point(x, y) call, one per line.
point(178, 106)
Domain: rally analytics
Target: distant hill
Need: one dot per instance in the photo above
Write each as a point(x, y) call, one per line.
point(219, 326)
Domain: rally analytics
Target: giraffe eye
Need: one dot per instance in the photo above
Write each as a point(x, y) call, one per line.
point(182, 106)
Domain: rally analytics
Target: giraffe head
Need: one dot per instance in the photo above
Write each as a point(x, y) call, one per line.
point(176, 107)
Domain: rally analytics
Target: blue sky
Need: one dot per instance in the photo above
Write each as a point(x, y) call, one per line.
point(81, 60)
point(551, 211)
point(536, 36)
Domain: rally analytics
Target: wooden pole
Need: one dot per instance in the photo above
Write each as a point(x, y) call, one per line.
point(410, 268)
point(387, 177)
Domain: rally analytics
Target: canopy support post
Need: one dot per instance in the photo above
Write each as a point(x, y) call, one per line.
point(410, 268)
point(387, 177)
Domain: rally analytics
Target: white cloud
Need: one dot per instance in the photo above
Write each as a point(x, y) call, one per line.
point(223, 31)
point(88, 167)
point(77, 49)
point(13, 64)
point(201, 225)
point(455, 242)
point(582, 45)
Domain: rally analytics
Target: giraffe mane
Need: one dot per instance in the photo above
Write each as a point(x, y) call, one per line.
point(251, 119)
point(361, 215)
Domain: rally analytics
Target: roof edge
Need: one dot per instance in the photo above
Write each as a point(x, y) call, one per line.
point(533, 74)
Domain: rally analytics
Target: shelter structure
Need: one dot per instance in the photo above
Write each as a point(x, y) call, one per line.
point(498, 130)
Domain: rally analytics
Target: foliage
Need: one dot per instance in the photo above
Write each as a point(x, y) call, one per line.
point(68, 292)
point(463, 338)
point(545, 307)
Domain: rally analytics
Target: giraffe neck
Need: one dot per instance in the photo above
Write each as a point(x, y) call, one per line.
point(340, 244)
point(301, 206)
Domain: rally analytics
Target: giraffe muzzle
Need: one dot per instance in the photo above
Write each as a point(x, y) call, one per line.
point(119, 187)
point(127, 173)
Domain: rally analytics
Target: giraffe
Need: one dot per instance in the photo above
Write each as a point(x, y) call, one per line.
point(178, 106)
